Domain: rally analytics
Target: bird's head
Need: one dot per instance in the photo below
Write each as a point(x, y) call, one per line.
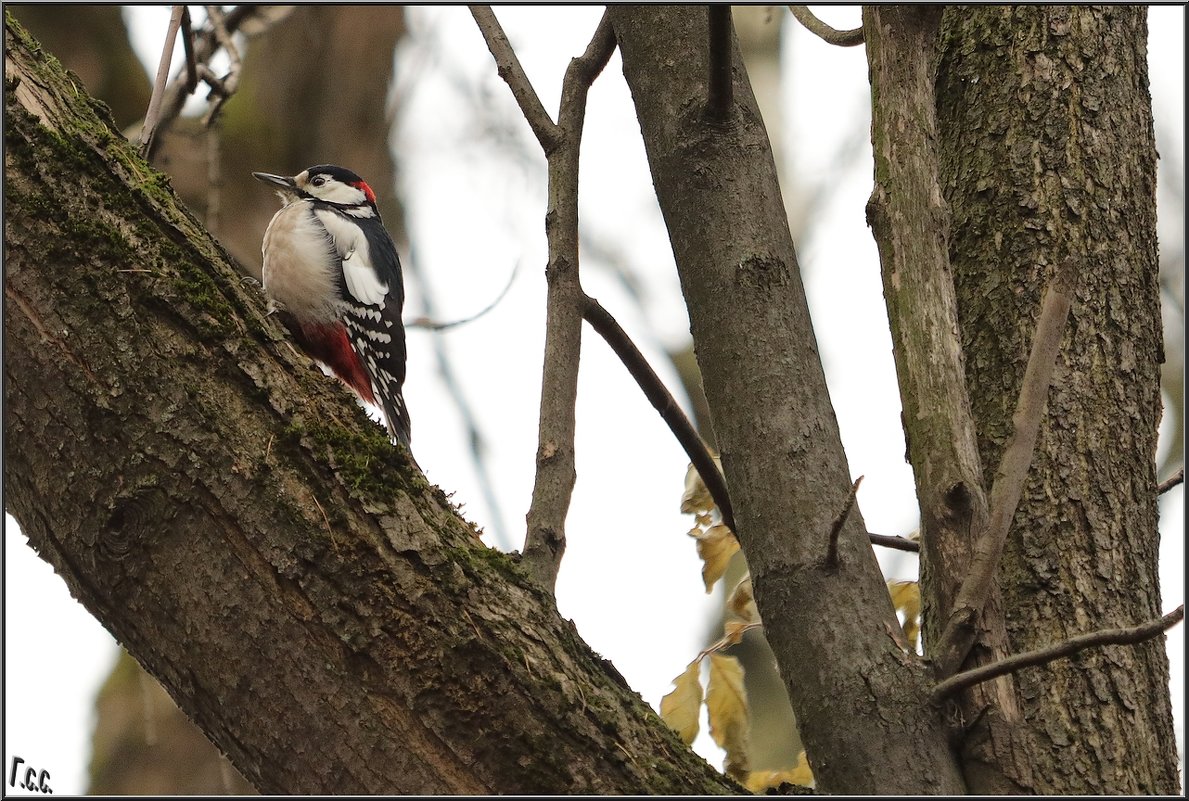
point(326, 182)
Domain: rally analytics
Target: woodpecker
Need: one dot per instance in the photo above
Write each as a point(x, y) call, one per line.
point(332, 275)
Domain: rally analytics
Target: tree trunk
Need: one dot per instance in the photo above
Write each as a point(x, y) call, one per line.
point(859, 699)
point(910, 222)
point(245, 531)
point(1047, 157)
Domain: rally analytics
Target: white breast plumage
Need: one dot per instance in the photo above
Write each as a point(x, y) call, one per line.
point(299, 264)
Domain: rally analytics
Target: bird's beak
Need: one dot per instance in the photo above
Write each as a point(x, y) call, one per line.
point(279, 181)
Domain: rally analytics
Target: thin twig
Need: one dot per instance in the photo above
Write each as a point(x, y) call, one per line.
point(821, 30)
point(508, 67)
point(1170, 482)
point(898, 543)
point(959, 633)
point(214, 179)
point(222, 90)
point(839, 522)
point(153, 115)
point(720, 98)
point(658, 395)
point(424, 322)
point(205, 44)
point(1041, 656)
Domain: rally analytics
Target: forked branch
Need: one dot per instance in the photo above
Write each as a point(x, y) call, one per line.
point(959, 633)
point(545, 540)
point(508, 67)
point(1050, 653)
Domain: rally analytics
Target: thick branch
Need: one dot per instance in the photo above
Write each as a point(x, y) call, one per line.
point(1041, 656)
point(654, 389)
point(910, 222)
point(960, 633)
point(830, 35)
point(199, 543)
point(508, 66)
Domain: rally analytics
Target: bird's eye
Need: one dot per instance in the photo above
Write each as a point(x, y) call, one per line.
point(318, 180)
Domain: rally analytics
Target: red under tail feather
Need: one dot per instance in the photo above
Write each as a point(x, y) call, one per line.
point(329, 344)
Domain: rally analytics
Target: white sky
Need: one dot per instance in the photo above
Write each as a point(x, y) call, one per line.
point(630, 578)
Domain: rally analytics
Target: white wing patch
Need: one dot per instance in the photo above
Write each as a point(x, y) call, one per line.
point(363, 282)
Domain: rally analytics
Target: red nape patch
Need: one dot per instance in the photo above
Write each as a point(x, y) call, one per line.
point(367, 190)
point(329, 345)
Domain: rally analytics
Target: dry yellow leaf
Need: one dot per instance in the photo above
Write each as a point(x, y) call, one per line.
point(716, 547)
point(696, 497)
point(679, 709)
point(906, 597)
point(742, 602)
point(761, 780)
point(733, 631)
point(726, 708)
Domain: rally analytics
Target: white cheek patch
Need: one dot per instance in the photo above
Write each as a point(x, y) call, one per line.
point(340, 193)
point(363, 282)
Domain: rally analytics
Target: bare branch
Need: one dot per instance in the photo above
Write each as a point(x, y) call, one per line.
point(222, 90)
point(204, 44)
point(153, 115)
point(720, 97)
point(508, 67)
point(898, 543)
point(545, 540)
point(1041, 656)
point(821, 30)
point(836, 529)
point(1172, 481)
point(428, 324)
point(654, 389)
point(959, 632)
point(188, 46)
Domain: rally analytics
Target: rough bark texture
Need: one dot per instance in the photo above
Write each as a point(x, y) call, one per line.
point(240, 526)
point(1048, 156)
point(910, 222)
point(96, 41)
point(856, 695)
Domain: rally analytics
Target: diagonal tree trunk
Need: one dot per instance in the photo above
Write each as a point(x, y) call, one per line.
point(830, 626)
point(239, 524)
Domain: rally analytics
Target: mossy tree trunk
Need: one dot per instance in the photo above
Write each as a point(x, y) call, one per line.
point(245, 531)
point(1048, 157)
